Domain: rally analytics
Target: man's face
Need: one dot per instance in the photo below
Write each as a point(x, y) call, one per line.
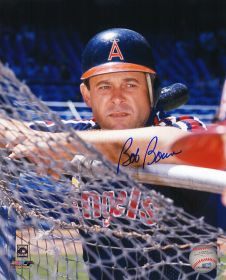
point(118, 100)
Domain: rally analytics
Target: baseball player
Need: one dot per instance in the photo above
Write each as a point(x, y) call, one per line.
point(119, 83)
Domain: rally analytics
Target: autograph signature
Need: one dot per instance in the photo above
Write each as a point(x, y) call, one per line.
point(150, 151)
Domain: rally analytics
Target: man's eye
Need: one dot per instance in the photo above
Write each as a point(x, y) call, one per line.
point(131, 85)
point(104, 87)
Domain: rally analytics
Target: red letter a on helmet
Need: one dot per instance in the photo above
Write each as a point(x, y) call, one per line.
point(115, 51)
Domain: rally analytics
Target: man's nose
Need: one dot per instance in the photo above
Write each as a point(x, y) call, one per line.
point(118, 96)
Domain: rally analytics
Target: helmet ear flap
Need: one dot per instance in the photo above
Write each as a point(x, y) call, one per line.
point(150, 89)
point(153, 88)
point(156, 89)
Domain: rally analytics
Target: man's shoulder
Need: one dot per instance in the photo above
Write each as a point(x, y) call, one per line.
point(186, 122)
point(80, 124)
point(56, 127)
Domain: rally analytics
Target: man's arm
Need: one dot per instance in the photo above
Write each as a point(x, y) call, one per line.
point(116, 145)
point(113, 143)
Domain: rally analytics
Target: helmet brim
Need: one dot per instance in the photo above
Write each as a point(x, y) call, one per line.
point(113, 67)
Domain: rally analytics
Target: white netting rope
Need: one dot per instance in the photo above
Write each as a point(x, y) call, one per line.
point(104, 226)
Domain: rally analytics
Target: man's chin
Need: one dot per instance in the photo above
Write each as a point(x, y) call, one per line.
point(120, 126)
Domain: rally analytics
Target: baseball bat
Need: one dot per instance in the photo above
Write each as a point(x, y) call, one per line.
point(177, 176)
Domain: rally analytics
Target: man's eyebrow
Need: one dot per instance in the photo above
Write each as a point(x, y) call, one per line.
point(124, 80)
point(103, 82)
point(131, 80)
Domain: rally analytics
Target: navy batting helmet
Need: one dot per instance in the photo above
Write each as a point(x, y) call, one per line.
point(117, 50)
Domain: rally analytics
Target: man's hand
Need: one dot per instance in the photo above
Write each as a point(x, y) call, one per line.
point(13, 132)
point(45, 150)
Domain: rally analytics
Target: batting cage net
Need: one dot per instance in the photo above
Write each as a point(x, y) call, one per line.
point(82, 221)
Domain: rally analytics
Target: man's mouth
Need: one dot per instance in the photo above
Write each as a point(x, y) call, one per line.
point(118, 114)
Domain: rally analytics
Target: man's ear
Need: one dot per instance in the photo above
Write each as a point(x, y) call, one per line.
point(85, 94)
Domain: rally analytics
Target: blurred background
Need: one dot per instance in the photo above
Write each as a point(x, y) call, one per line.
point(42, 41)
